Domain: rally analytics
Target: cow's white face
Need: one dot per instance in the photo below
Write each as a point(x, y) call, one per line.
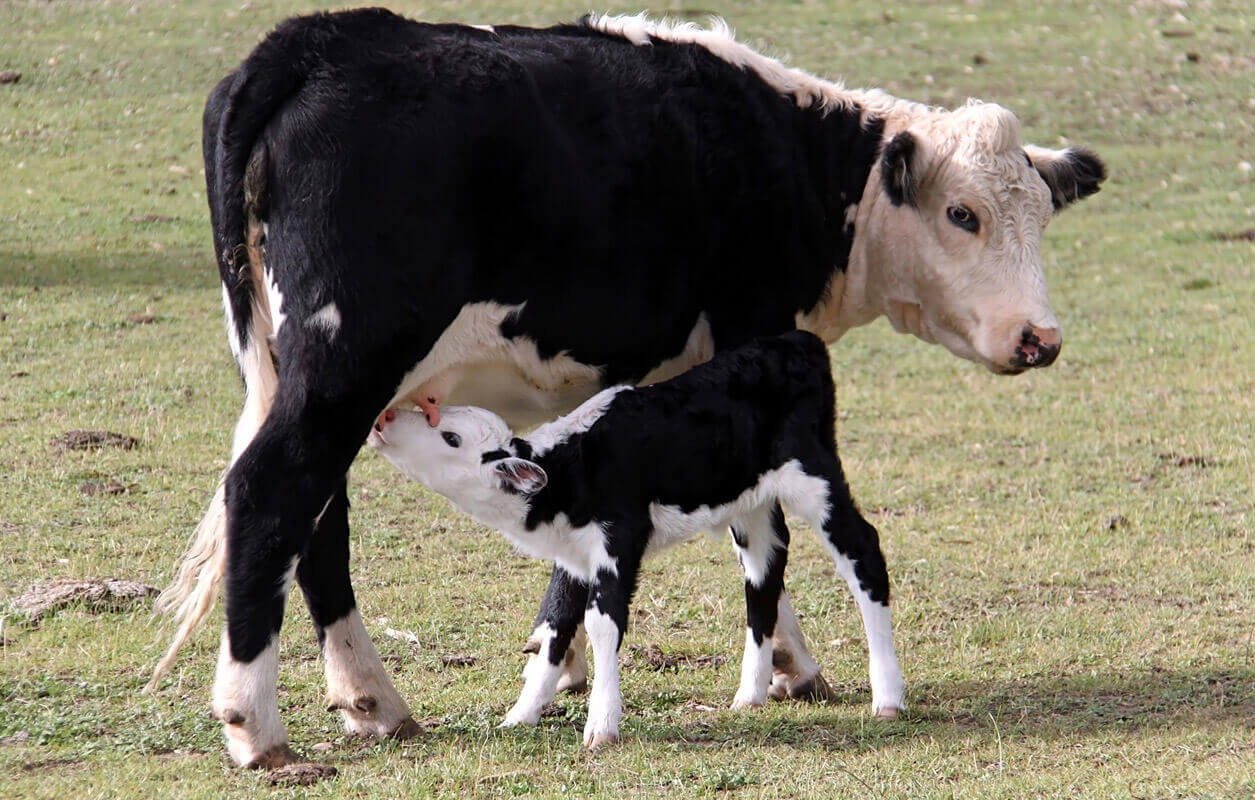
point(951, 227)
point(464, 457)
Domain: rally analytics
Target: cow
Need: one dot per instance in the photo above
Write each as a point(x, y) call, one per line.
point(633, 471)
point(517, 218)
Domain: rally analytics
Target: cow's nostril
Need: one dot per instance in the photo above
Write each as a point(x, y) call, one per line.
point(389, 415)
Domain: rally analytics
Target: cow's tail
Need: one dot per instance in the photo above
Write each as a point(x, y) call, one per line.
point(236, 169)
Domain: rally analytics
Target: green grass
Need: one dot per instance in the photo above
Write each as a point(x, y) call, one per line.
point(1072, 550)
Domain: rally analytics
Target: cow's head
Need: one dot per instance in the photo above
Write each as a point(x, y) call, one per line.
point(951, 227)
point(467, 457)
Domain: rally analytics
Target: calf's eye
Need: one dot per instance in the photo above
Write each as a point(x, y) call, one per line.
point(451, 438)
point(963, 217)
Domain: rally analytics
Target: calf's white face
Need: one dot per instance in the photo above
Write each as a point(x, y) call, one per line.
point(450, 459)
point(952, 234)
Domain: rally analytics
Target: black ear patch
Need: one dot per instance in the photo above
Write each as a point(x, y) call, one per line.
point(1075, 174)
point(896, 171)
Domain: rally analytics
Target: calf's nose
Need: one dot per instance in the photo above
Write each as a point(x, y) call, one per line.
point(1038, 347)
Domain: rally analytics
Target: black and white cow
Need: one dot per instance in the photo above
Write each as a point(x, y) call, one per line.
point(632, 471)
point(515, 219)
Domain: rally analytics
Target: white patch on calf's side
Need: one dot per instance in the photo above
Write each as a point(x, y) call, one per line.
point(759, 551)
point(552, 434)
point(755, 673)
point(357, 683)
point(244, 700)
point(326, 319)
point(605, 703)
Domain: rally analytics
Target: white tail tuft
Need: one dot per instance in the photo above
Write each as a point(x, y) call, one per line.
point(190, 598)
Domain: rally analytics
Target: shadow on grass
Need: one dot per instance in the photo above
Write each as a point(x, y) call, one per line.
point(170, 269)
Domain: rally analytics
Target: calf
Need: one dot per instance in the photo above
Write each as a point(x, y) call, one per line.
point(632, 471)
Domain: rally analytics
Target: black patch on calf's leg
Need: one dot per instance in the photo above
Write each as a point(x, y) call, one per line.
point(561, 609)
point(761, 602)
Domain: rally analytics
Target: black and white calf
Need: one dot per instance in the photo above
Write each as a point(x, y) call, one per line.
point(517, 218)
point(634, 470)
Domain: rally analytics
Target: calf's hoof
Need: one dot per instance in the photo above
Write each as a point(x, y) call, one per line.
point(887, 713)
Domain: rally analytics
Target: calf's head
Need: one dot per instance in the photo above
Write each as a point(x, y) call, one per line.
point(467, 457)
point(951, 228)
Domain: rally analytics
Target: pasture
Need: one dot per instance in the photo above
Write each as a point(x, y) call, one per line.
point(1072, 550)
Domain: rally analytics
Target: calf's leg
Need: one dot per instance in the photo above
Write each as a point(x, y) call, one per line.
point(565, 596)
point(855, 545)
point(762, 544)
point(552, 646)
point(605, 620)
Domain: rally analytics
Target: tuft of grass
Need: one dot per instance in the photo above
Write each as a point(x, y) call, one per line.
point(1072, 551)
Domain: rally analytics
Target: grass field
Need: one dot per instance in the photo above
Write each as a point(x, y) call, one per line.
point(1072, 550)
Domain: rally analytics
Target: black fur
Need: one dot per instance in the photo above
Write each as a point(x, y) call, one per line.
point(900, 181)
point(1076, 175)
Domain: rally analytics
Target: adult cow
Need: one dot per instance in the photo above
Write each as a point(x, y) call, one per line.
point(515, 218)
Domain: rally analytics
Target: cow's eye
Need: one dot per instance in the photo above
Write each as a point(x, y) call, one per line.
point(963, 217)
point(451, 438)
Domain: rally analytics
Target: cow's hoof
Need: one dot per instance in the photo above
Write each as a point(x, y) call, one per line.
point(742, 704)
point(887, 713)
point(812, 690)
point(365, 717)
point(595, 740)
point(274, 758)
point(572, 685)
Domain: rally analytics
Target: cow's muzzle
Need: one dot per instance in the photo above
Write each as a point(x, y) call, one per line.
point(1038, 347)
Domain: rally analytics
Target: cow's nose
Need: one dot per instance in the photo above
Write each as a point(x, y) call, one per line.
point(389, 415)
point(1039, 347)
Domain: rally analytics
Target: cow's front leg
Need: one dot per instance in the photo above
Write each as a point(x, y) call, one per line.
point(605, 622)
point(795, 673)
point(552, 647)
point(358, 686)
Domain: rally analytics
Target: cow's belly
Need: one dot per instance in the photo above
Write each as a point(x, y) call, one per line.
point(506, 390)
point(472, 363)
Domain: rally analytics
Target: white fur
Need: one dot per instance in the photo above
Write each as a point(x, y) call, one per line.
point(505, 374)
point(761, 542)
point(249, 690)
point(540, 682)
point(888, 688)
point(552, 434)
point(605, 707)
point(327, 319)
point(354, 672)
point(755, 673)
point(274, 299)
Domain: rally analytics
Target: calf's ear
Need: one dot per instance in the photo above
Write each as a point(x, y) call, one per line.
point(1071, 174)
point(520, 475)
point(897, 172)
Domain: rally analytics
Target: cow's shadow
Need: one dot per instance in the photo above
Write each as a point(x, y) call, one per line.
point(1044, 707)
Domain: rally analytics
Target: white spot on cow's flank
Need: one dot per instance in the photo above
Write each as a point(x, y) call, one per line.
point(327, 318)
point(274, 299)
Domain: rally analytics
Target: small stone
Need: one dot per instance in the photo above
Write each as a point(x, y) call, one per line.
point(10, 76)
point(323, 747)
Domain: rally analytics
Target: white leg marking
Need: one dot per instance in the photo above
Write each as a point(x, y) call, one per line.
point(358, 685)
point(888, 688)
point(244, 699)
point(605, 705)
point(541, 682)
point(755, 673)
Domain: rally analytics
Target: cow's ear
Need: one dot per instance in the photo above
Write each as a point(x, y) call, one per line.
point(520, 475)
point(1071, 174)
point(897, 170)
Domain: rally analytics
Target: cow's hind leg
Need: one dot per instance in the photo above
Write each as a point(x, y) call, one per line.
point(565, 596)
point(274, 492)
point(553, 646)
point(358, 686)
point(855, 545)
point(795, 673)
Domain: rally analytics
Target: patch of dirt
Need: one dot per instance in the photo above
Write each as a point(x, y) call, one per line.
point(652, 657)
point(1188, 461)
point(93, 488)
point(51, 765)
point(304, 774)
point(140, 319)
point(896, 511)
point(1116, 522)
point(10, 76)
point(21, 737)
point(1240, 236)
point(93, 440)
point(109, 594)
point(457, 660)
